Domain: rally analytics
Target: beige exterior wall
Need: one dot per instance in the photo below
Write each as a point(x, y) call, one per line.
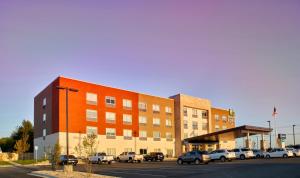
point(182, 101)
point(110, 146)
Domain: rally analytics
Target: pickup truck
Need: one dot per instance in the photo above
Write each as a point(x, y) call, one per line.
point(100, 158)
point(130, 157)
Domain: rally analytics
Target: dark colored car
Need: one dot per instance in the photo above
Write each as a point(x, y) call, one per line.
point(196, 157)
point(63, 160)
point(154, 156)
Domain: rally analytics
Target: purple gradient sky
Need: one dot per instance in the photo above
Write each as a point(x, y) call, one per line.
point(239, 54)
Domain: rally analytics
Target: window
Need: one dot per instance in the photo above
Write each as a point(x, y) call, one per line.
point(44, 117)
point(155, 108)
point(157, 150)
point(169, 136)
point(127, 134)
point(127, 103)
point(142, 106)
point(44, 133)
point(204, 114)
point(195, 114)
point(168, 123)
point(168, 110)
point(110, 117)
point(156, 121)
point(217, 128)
point(91, 115)
point(224, 127)
point(110, 101)
point(195, 125)
point(204, 126)
point(44, 102)
point(224, 118)
point(127, 119)
point(185, 111)
point(185, 135)
point(143, 151)
point(142, 120)
point(111, 151)
point(91, 130)
point(185, 124)
point(143, 135)
point(110, 133)
point(91, 98)
point(169, 153)
point(127, 149)
point(156, 136)
point(217, 118)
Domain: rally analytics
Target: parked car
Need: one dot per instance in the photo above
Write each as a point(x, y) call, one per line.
point(64, 160)
point(130, 157)
point(243, 153)
point(195, 157)
point(222, 154)
point(296, 152)
point(154, 156)
point(100, 158)
point(278, 153)
point(258, 153)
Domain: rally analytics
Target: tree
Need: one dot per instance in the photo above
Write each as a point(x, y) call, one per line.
point(22, 146)
point(89, 146)
point(7, 144)
point(55, 154)
point(27, 129)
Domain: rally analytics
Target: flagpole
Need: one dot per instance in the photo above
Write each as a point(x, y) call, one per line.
point(275, 128)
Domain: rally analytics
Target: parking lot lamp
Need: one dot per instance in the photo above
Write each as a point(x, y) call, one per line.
point(67, 89)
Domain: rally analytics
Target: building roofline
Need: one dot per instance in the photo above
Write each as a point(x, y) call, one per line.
point(182, 94)
point(112, 87)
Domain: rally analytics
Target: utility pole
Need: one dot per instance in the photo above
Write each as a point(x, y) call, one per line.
point(270, 134)
point(294, 134)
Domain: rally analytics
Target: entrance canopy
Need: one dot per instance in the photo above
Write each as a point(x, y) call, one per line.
point(236, 132)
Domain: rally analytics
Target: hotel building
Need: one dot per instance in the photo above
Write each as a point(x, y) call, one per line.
point(123, 120)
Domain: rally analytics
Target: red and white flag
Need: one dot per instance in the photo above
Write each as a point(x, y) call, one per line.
point(274, 112)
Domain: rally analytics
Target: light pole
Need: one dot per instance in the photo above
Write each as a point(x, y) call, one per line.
point(67, 89)
point(270, 134)
point(294, 134)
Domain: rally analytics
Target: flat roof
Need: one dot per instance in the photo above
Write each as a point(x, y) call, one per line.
point(238, 132)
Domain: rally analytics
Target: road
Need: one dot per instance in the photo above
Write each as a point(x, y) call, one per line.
point(259, 168)
point(14, 172)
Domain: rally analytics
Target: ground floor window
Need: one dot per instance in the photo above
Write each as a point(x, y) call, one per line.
point(157, 150)
point(111, 151)
point(128, 150)
point(143, 151)
point(169, 153)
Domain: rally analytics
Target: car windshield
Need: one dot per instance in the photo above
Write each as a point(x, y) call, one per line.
point(71, 156)
point(132, 153)
point(245, 149)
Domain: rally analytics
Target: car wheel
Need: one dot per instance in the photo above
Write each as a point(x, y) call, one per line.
point(130, 160)
point(75, 164)
point(242, 157)
point(99, 161)
point(139, 161)
point(268, 156)
point(223, 159)
point(285, 156)
point(179, 161)
point(257, 156)
point(109, 162)
point(197, 161)
point(295, 155)
point(118, 159)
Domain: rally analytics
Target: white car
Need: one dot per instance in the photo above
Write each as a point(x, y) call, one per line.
point(243, 153)
point(130, 157)
point(296, 152)
point(278, 153)
point(100, 158)
point(222, 154)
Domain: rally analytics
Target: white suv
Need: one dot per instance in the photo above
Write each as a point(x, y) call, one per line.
point(222, 155)
point(278, 153)
point(295, 151)
point(243, 153)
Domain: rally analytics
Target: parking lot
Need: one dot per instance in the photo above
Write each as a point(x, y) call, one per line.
point(238, 168)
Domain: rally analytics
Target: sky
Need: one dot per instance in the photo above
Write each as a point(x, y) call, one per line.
point(239, 54)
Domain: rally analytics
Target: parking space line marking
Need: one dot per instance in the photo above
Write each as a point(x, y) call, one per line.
point(122, 172)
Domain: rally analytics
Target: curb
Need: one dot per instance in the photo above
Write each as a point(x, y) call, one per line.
point(40, 175)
